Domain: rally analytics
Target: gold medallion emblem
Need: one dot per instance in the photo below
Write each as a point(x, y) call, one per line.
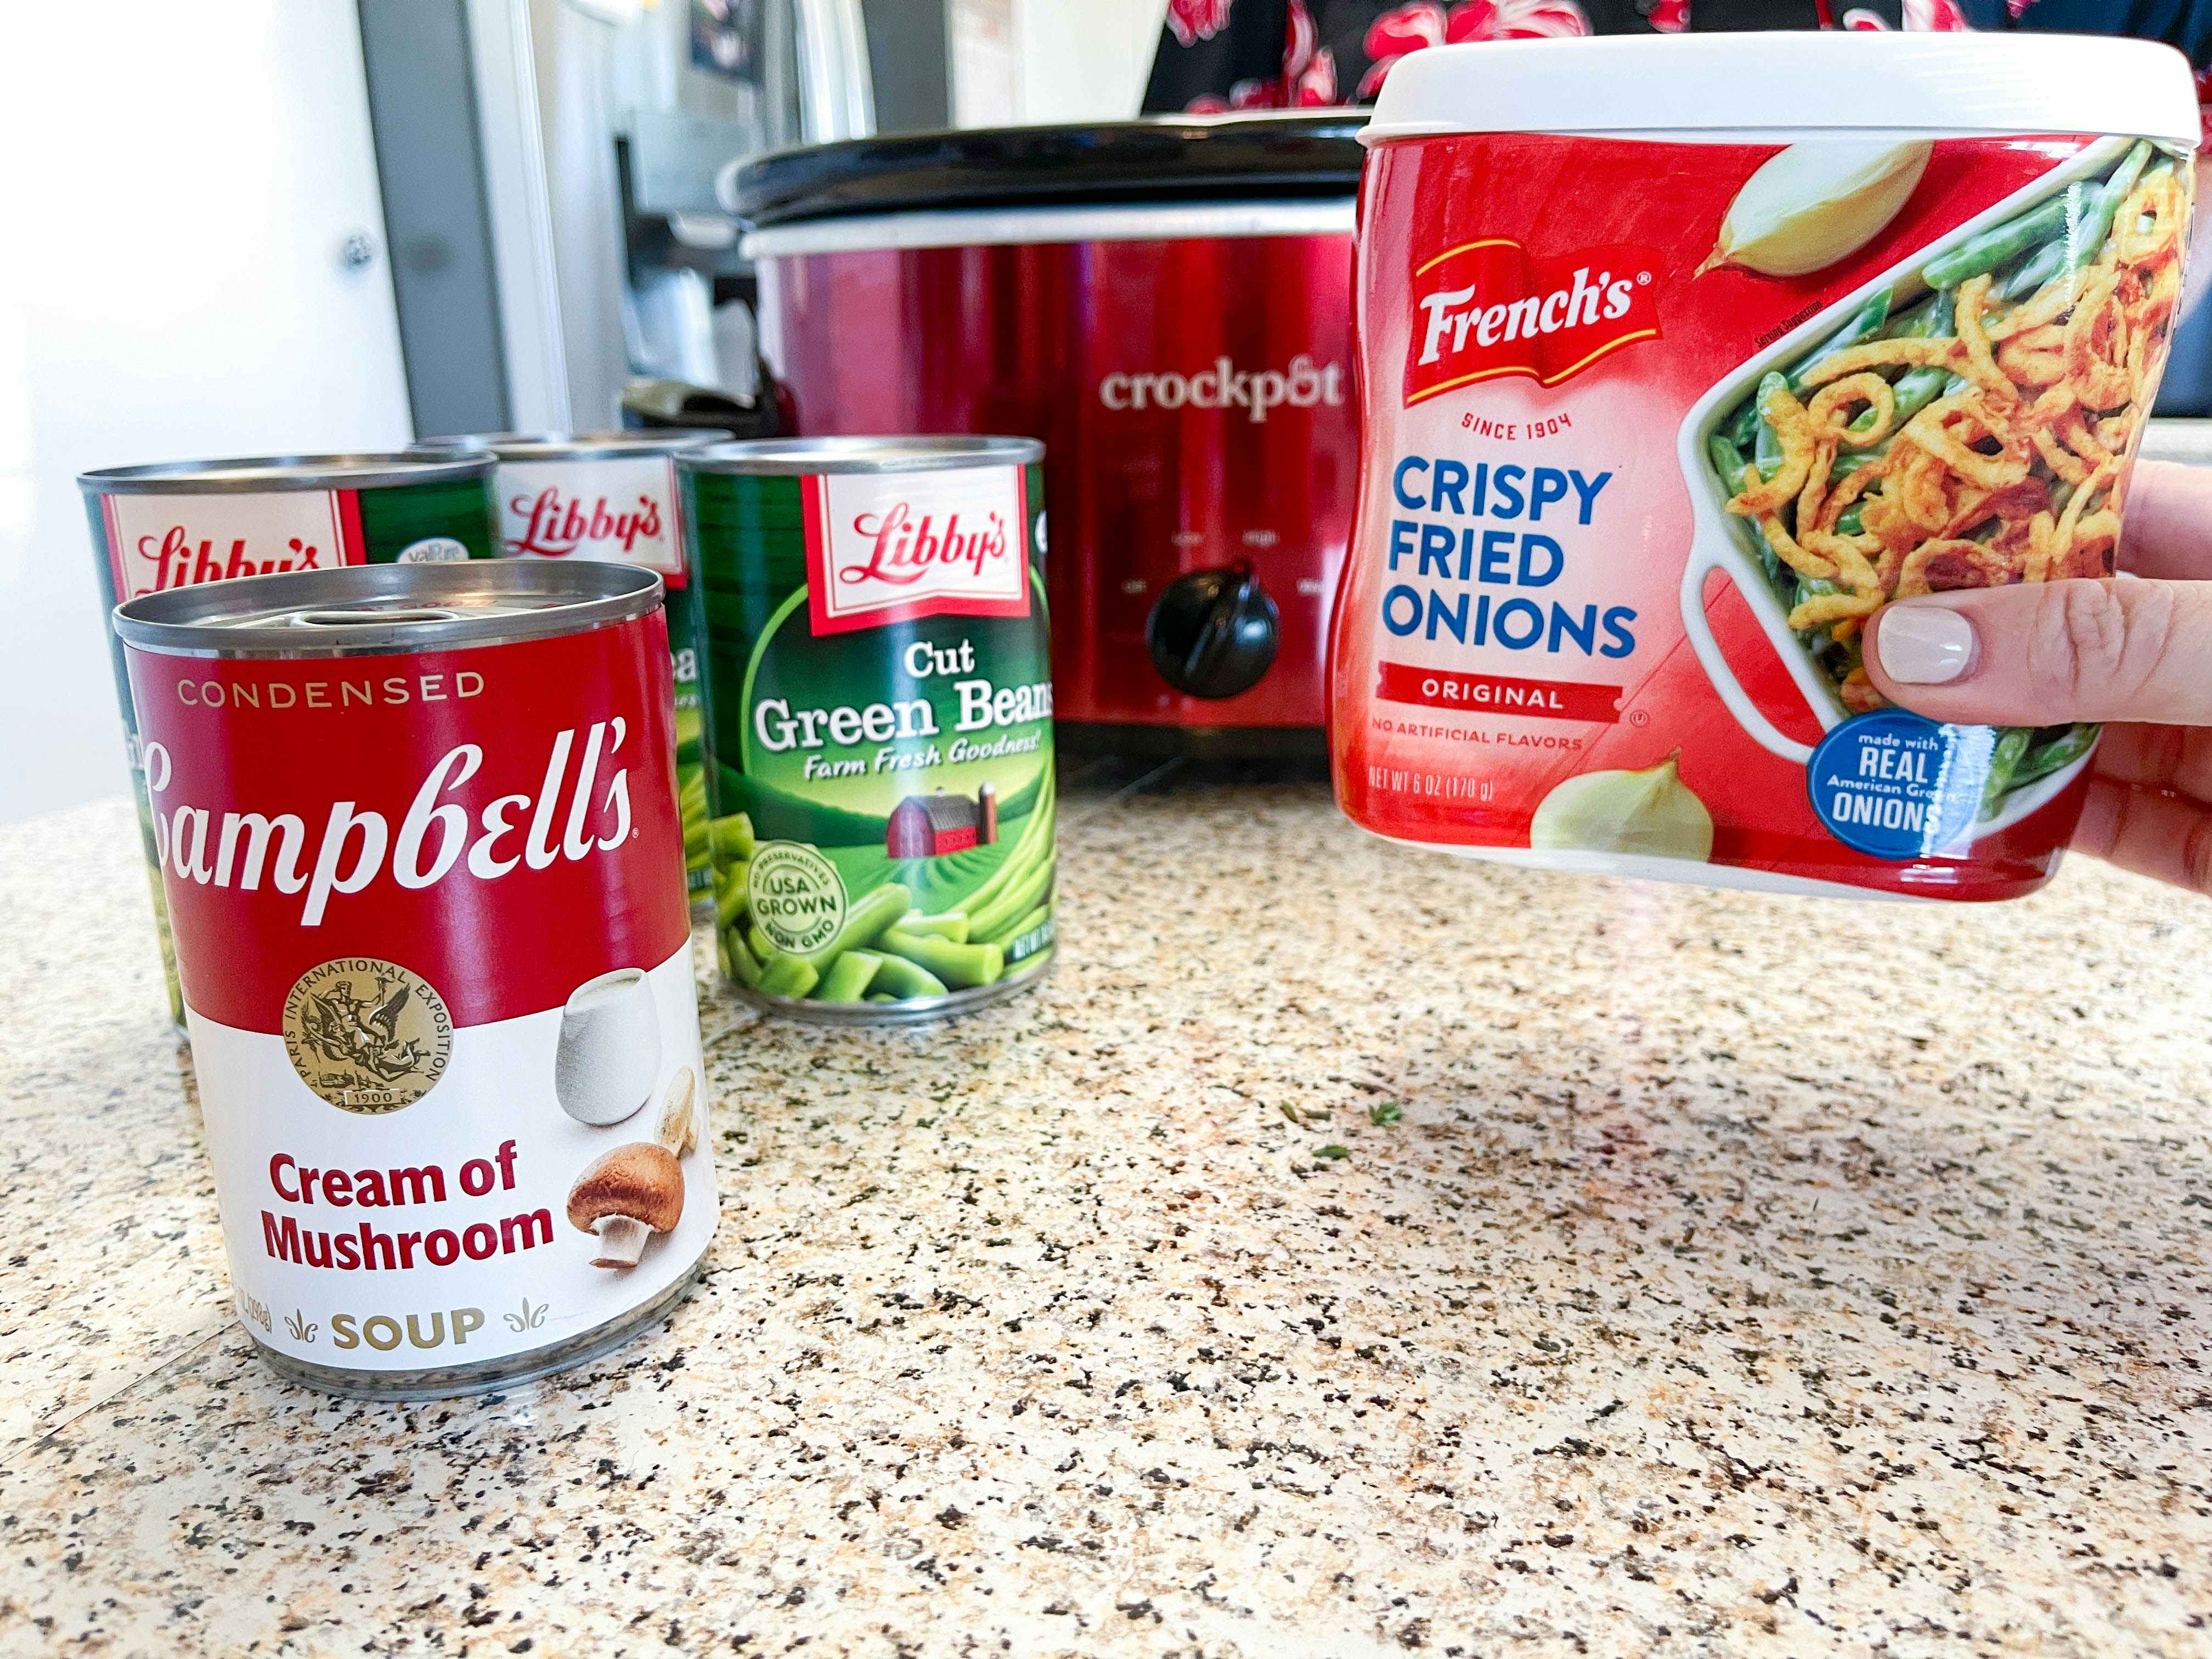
point(367, 1034)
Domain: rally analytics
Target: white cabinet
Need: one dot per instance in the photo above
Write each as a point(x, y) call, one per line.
point(181, 186)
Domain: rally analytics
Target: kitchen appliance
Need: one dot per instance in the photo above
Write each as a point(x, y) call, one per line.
point(549, 171)
point(1167, 305)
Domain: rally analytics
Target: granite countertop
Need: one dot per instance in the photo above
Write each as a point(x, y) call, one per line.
point(1746, 1275)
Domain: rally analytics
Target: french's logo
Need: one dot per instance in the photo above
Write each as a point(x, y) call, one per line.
point(1490, 308)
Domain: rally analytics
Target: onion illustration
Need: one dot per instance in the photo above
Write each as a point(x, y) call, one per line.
point(1811, 204)
point(1651, 812)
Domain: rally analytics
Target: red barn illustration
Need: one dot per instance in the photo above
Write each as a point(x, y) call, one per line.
point(930, 826)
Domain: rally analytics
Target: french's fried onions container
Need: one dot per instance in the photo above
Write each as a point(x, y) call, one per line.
point(1682, 358)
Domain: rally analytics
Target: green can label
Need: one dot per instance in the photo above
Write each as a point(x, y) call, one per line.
point(623, 509)
point(880, 712)
point(150, 541)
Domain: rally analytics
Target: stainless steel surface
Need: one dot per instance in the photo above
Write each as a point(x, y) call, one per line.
point(430, 169)
point(837, 94)
point(383, 608)
point(674, 155)
point(572, 445)
point(787, 457)
point(919, 1011)
point(266, 472)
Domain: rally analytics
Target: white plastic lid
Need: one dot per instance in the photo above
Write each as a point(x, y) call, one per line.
point(1783, 83)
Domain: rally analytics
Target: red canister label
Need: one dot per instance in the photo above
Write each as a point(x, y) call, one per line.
point(1636, 475)
point(431, 924)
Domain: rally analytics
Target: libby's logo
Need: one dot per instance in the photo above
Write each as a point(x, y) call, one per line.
point(355, 846)
point(158, 542)
point(904, 546)
point(177, 561)
point(553, 526)
point(882, 547)
point(1489, 308)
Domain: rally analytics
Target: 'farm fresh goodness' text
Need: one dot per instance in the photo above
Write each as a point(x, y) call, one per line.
point(979, 704)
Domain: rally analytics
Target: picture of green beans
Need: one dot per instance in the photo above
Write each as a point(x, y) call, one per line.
point(886, 951)
point(1969, 425)
point(692, 761)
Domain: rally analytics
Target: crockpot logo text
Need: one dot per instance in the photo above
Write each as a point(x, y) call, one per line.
point(1304, 385)
point(571, 816)
point(1488, 308)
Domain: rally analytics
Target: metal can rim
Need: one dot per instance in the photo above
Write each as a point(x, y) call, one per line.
point(799, 456)
point(572, 445)
point(541, 600)
point(363, 470)
point(915, 1010)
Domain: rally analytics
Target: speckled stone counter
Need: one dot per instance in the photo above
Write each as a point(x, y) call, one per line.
point(1743, 1276)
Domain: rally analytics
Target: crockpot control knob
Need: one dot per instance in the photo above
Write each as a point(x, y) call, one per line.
point(1213, 633)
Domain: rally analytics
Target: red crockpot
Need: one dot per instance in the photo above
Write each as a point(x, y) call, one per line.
point(1167, 305)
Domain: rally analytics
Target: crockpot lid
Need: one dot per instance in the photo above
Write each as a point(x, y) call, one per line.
point(1180, 158)
point(1781, 85)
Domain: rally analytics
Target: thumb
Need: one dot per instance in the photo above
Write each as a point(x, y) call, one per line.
point(2042, 654)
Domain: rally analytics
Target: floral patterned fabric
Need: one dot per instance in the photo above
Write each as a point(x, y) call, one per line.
point(1221, 55)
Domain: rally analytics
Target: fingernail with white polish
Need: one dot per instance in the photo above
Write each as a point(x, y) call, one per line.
point(1924, 644)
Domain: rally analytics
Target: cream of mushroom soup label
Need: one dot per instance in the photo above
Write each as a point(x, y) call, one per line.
point(419, 838)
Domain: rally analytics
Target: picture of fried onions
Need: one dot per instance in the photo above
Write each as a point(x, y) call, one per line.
point(1835, 405)
point(1975, 436)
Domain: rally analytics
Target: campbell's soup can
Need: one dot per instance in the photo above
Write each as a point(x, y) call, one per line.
point(612, 495)
point(880, 700)
point(417, 831)
point(177, 524)
point(1682, 359)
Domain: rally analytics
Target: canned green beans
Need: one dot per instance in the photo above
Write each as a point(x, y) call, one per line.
point(879, 707)
point(611, 496)
point(180, 523)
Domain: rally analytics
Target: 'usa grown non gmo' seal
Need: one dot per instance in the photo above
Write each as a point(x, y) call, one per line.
point(798, 896)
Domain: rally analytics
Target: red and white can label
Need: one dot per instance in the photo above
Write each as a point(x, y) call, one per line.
point(431, 924)
point(884, 547)
point(156, 542)
point(614, 509)
point(1636, 474)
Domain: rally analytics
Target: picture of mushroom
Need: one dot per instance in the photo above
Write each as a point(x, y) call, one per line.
point(626, 1196)
point(679, 1114)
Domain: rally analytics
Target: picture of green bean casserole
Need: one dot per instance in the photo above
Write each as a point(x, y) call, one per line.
point(1971, 426)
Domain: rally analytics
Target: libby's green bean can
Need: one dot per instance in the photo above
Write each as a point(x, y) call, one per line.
point(611, 496)
point(879, 707)
point(177, 524)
